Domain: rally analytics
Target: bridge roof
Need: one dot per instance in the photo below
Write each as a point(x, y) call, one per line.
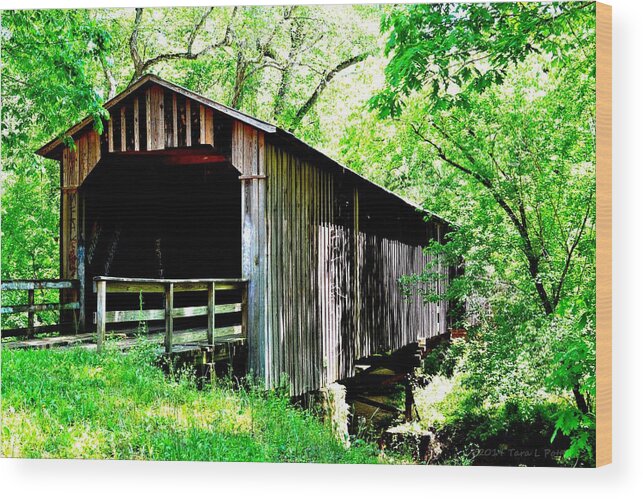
point(53, 149)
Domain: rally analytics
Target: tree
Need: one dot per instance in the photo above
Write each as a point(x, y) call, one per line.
point(456, 50)
point(42, 92)
point(291, 52)
point(496, 101)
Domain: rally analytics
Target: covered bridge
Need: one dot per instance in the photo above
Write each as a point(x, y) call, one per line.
point(179, 187)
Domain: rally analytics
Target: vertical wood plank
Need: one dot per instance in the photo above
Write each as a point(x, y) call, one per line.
point(123, 129)
point(101, 309)
point(211, 312)
point(258, 148)
point(83, 155)
point(66, 166)
point(95, 150)
point(64, 237)
point(169, 321)
point(308, 325)
point(137, 145)
point(160, 114)
point(30, 314)
point(188, 123)
point(281, 268)
point(87, 154)
point(175, 122)
point(148, 118)
point(209, 127)
point(156, 119)
point(202, 139)
point(270, 265)
point(233, 145)
point(359, 349)
point(75, 168)
point(244, 311)
point(110, 133)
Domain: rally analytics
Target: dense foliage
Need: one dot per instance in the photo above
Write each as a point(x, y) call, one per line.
point(495, 128)
point(484, 113)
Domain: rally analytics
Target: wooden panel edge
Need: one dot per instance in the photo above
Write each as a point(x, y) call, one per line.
point(603, 234)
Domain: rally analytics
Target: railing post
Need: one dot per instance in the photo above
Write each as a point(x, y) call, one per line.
point(81, 288)
point(101, 309)
point(81, 324)
point(30, 317)
point(244, 310)
point(211, 312)
point(169, 324)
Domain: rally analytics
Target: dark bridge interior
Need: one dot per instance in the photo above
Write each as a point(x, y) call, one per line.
point(167, 221)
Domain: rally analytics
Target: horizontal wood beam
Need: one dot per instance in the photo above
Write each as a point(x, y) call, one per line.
point(160, 160)
point(159, 314)
point(173, 281)
point(193, 159)
point(40, 307)
point(123, 287)
point(130, 285)
point(189, 339)
point(178, 155)
point(26, 284)
point(374, 403)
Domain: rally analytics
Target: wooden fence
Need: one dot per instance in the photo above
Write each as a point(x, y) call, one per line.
point(31, 307)
point(168, 287)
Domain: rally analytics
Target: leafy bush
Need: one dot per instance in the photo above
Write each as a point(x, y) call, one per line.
point(443, 359)
point(488, 407)
point(516, 432)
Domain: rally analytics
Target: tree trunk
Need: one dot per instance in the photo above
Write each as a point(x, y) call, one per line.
point(581, 403)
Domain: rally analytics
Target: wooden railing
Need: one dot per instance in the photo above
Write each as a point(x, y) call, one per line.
point(31, 307)
point(168, 288)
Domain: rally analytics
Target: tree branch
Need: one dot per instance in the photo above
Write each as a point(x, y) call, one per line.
point(533, 260)
point(197, 28)
point(296, 40)
point(570, 253)
point(307, 106)
point(133, 44)
point(140, 66)
point(109, 76)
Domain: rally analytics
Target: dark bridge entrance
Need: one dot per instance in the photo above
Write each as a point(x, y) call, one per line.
point(166, 222)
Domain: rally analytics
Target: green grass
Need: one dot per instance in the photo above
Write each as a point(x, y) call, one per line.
point(79, 404)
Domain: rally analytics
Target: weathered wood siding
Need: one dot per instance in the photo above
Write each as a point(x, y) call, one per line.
point(247, 155)
point(154, 119)
point(332, 276)
point(151, 119)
